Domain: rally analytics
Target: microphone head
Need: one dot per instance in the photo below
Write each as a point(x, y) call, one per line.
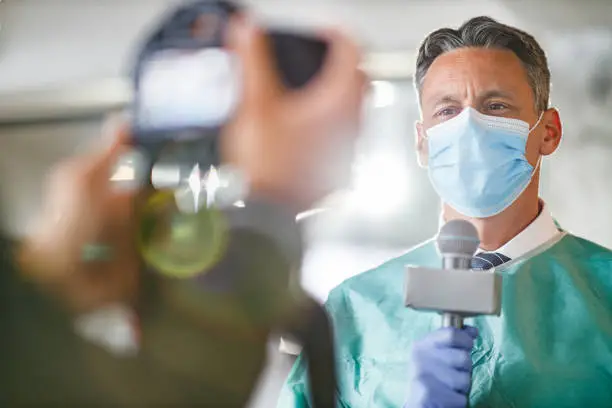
point(459, 238)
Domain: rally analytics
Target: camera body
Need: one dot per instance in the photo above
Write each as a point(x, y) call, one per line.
point(187, 84)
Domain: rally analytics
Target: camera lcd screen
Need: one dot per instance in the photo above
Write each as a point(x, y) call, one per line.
point(181, 89)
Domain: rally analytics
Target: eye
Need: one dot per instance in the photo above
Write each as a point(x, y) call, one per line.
point(446, 112)
point(497, 106)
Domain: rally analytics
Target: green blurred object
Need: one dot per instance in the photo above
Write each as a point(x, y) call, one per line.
point(180, 244)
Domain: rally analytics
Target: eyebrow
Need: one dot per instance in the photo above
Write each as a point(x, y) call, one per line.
point(441, 98)
point(494, 93)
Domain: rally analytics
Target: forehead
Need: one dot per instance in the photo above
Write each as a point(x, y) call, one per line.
point(469, 72)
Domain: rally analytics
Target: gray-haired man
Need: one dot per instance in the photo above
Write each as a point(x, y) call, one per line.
point(485, 127)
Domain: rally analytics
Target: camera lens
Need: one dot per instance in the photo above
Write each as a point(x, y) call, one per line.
point(180, 244)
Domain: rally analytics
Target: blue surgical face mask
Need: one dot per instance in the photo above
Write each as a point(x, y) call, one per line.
point(477, 163)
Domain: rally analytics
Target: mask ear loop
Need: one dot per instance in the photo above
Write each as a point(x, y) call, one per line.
point(539, 163)
point(537, 123)
point(424, 165)
point(537, 166)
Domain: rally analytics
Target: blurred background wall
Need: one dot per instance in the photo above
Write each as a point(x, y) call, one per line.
point(63, 65)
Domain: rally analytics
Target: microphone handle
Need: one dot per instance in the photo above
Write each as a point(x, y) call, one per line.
point(452, 320)
point(454, 262)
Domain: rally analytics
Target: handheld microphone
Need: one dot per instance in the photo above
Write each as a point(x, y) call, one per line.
point(457, 242)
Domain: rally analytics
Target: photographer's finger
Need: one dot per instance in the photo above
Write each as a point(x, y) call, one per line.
point(340, 80)
point(342, 64)
point(260, 79)
point(116, 131)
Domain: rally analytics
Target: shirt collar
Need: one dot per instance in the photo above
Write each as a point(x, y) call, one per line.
point(541, 230)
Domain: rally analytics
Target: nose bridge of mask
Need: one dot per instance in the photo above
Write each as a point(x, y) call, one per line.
point(449, 124)
point(470, 132)
point(468, 114)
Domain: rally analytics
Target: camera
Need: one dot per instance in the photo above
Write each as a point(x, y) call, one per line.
point(187, 84)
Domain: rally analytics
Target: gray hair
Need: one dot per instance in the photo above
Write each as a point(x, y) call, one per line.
point(486, 32)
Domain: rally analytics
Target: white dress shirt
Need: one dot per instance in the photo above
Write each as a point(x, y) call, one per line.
point(541, 230)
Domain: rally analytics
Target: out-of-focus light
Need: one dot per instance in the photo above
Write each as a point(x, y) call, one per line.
point(124, 173)
point(239, 204)
point(380, 186)
point(128, 172)
point(212, 182)
point(195, 185)
point(383, 94)
point(303, 215)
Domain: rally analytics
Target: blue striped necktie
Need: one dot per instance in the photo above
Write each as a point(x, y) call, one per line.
point(487, 260)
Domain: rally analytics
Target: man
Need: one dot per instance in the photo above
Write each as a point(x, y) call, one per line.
point(485, 127)
point(202, 355)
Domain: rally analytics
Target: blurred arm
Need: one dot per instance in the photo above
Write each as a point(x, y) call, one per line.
point(295, 392)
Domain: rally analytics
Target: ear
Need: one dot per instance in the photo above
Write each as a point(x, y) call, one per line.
point(553, 131)
point(421, 144)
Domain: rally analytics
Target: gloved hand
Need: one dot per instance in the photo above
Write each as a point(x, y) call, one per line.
point(442, 372)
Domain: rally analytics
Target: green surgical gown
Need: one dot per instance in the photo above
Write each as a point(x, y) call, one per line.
point(551, 346)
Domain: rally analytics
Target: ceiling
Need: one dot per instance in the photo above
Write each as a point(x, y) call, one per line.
point(45, 42)
point(56, 43)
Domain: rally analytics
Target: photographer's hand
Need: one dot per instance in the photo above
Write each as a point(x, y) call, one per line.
point(295, 146)
point(83, 212)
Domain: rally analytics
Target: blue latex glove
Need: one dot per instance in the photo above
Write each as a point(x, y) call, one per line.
point(442, 372)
